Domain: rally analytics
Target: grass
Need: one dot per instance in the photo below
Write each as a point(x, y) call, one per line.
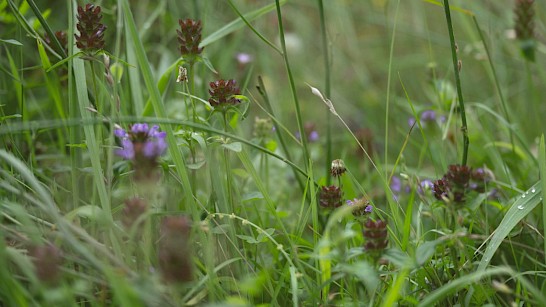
point(241, 207)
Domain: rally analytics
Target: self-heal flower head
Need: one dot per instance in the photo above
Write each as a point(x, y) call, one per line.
point(141, 142)
point(91, 36)
point(330, 196)
point(142, 145)
point(175, 250)
point(189, 37)
point(223, 93)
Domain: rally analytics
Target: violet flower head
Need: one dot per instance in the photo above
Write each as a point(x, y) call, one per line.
point(411, 121)
point(243, 58)
point(141, 142)
point(313, 136)
point(428, 116)
point(396, 184)
point(425, 185)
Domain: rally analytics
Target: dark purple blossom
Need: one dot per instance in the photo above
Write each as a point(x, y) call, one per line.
point(224, 93)
point(91, 30)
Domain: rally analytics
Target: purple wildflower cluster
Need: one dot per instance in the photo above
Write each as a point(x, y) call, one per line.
point(141, 142)
point(142, 145)
point(458, 181)
point(427, 116)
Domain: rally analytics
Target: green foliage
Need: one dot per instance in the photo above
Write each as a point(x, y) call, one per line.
point(229, 212)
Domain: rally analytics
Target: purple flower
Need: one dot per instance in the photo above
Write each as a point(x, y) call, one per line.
point(313, 136)
point(141, 142)
point(428, 116)
point(243, 58)
point(361, 206)
point(424, 185)
point(396, 184)
point(411, 121)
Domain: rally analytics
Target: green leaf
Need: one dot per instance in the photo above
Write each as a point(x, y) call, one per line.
point(91, 212)
point(364, 272)
point(11, 41)
point(235, 146)
point(425, 251)
point(248, 239)
point(252, 196)
point(208, 64)
point(196, 165)
point(522, 206)
point(542, 169)
point(271, 145)
point(263, 236)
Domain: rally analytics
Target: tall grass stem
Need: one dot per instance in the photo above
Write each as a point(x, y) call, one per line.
point(456, 67)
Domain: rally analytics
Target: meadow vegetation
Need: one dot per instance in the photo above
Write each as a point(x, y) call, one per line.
point(272, 153)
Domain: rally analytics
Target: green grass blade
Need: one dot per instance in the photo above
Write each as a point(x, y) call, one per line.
point(542, 168)
point(434, 297)
point(523, 205)
point(157, 104)
point(237, 24)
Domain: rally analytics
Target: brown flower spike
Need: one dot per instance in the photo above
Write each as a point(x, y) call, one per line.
point(524, 27)
point(330, 197)
point(222, 93)
point(174, 249)
point(91, 36)
point(189, 37)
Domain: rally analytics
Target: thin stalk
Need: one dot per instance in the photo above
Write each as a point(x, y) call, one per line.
point(292, 87)
point(464, 127)
point(191, 90)
point(263, 92)
point(228, 168)
point(497, 84)
point(74, 132)
point(327, 90)
point(389, 88)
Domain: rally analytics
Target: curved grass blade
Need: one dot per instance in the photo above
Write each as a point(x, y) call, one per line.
point(237, 24)
point(523, 205)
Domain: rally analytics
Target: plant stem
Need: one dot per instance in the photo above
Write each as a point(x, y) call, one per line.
point(464, 127)
point(326, 90)
point(292, 87)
